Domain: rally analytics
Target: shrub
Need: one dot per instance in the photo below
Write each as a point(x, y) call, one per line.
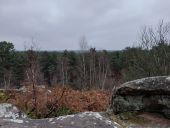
point(3, 97)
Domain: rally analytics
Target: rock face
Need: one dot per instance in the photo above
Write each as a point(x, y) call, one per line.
point(150, 94)
point(81, 120)
point(11, 117)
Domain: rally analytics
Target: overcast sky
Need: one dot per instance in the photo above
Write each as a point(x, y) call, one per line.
point(59, 24)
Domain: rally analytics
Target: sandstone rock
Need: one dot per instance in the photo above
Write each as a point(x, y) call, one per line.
point(9, 111)
point(81, 120)
point(150, 94)
point(11, 117)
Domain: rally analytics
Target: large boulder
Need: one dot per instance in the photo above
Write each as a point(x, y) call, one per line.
point(150, 94)
point(81, 120)
point(11, 117)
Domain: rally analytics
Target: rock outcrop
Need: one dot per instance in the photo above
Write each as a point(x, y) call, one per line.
point(11, 117)
point(150, 94)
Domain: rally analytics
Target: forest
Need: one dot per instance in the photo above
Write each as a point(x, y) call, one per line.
point(87, 68)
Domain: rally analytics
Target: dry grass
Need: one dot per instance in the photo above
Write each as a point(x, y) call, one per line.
point(58, 97)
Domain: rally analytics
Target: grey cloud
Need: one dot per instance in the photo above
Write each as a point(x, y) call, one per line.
point(59, 24)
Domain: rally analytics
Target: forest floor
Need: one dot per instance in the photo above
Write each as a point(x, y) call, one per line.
point(56, 101)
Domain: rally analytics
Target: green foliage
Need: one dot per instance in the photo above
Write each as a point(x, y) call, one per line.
point(7, 58)
point(49, 65)
point(3, 96)
point(128, 64)
point(19, 68)
point(62, 111)
point(32, 115)
point(117, 60)
point(6, 54)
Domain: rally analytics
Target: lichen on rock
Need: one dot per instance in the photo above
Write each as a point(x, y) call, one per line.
point(10, 111)
point(151, 94)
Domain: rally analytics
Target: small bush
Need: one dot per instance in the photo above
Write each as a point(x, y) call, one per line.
point(3, 96)
point(61, 111)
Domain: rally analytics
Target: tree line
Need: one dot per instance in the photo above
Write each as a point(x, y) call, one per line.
point(87, 68)
point(83, 69)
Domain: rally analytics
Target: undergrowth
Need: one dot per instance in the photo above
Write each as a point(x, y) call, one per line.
point(58, 101)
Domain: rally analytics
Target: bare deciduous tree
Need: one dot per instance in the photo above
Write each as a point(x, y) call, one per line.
point(64, 68)
point(33, 73)
point(152, 57)
point(83, 68)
